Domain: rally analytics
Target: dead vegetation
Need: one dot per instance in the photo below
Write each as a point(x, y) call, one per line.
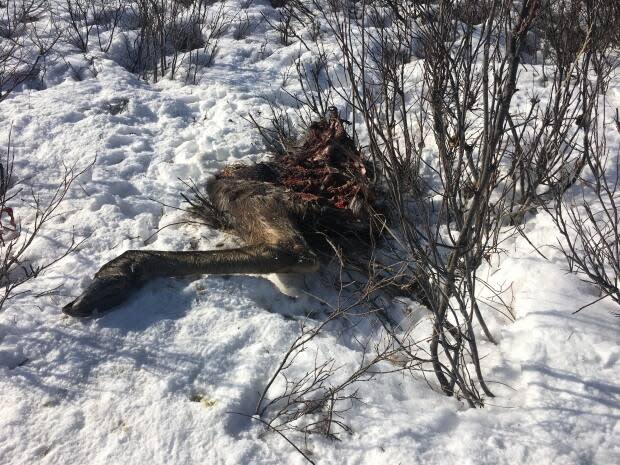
point(24, 43)
point(18, 266)
point(499, 158)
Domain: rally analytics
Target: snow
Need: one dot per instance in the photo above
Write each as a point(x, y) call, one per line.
point(160, 380)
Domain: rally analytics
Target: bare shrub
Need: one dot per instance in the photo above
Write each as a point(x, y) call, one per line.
point(317, 90)
point(586, 209)
point(473, 12)
point(283, 23)
point(287, 19)
point(214, 23)
point(590, 226)
point(569, 144)
point(494, 162)
point(316, 401)
point(172, 34)
point(243, 26)
point(564, 26)
point(17, 266)
point(23, 45)
point(86, 18)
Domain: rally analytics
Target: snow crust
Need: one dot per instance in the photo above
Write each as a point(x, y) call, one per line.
point(121, 389)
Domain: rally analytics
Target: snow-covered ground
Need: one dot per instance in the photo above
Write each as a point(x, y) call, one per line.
point(159, 379)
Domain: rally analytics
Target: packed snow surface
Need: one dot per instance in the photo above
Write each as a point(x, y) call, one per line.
point(160, 380)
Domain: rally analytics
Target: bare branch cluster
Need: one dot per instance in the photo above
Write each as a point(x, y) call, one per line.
point(317, 400)
point(24, 43)
point(587, 215)
point(90, 18)
point(174, 33)
point(17, 265)
point(161, 38)
point(443, 75)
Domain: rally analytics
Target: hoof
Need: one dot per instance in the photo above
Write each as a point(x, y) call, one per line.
point(75, 311)
point(101, 296)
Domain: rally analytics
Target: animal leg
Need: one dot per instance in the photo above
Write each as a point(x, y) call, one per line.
point(119, 278)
